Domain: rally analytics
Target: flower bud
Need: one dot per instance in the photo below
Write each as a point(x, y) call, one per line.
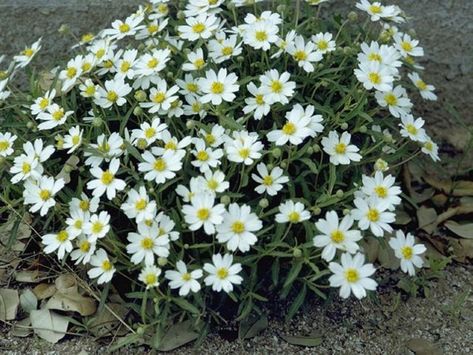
point(316, 210)
point(64, 29)
point(381, 165)
point(240, 59)
point(263, 203)
point(270, 166)
point(186, 246)
point(297, 253)
point(284, 164)
point(140, 330)
point(387, 137)
point(181, 15)
point(97, 121)
point(30, 125)
point(276, 152)
point(346, 212)
point(170, 74)
point(140, 96)
point(281, 8)
point(316, 148)
point(137, 111)
point(190, 124)
point(310, 150)
point(162, 261)
point(225, 200)
point(352, 16)
point(339, 193)
point(363, 129)
point(68, 169)
point(344, 126)
point(142, 143)
point(186, 51)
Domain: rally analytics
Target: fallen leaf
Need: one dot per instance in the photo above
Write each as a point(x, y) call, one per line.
point(462, 249)
point(307, 341)
point(65, 282)
point(69, 166)
point(28, 301)
point(9, 302)
point(30, 276)
point(22, 328)
point(423, 347)
point(462, 230)
point(104, 323)
point(427, 218)
point(43, 291)
point(176, 336)
point(49, 325)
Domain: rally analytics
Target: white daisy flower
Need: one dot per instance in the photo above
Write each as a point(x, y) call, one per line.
point(26, 55)
point(138, 205)
point(73, 139)
point(107, 149)
point(160, 167)
point(26, 167)
point(339, 148)
point(125, 67)
point(238, 228)
point(161, 97)
point(205, 158)
point(147, 243)
point(150, 64)
point(260, 35)
point(373, 75)
point(407, 251)
point(60, 242)
point(71, 73)
point(149, 275)
point(336, 235)
point(384, 55)
point(215, 137)
point(84, 203)
point(42, 103)
point(382, 188)
point(213, 182)
point(102, 269)
point(113, 94)
point(396, 101)
point(352, 275)
point(77, 220)
point(373, 214)
point(277, 87)
point(85, 250)
point(426, 91)
point(149, 132)
point(202, 212)
point(222, 274)
point(376, 10)
point(222, 50)
point(121, 29)
point(105, 180)
point(304, 53)
point(408, 46)
point(218, 87)
point(184, 280)
point(431, 148)
point(243, 147)
point(6, 144)
point(292, 212)
point(257, 103)
point(196, 60)
point(412, 129)
point(40, 194)
point(53, 117)
point(97, 226)
point(323, 42)
point(270, 183)
point(199, 27)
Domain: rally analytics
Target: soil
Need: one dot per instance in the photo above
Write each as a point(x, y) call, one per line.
point(390, 322)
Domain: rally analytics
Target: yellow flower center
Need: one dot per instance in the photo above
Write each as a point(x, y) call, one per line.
point(107, 177)
point(429, 146)
point(227, 51)
point(375, 9)
point(217, 87)
point(90, 90)
point(407, 252)
point(141, 204)
point(159, 97)
point(4, 145)
point(381, 191)
point(351, 275)
point(124, 28)
point(84, 205)
point(244, 153)
point(84, 246)
point(186, 276)
point(276, 86)
point(170, 145)
point(202, 155)
point(43, 103)
point(375, 78)
point(196, 107)
point(203, 214)
point(25, 168)
point(86, 66)
point(199, 63)
point(390, 99)
point(289, 128)
point(78, 224)
point(372, 215)
point(163, 9)
point(71, 72)
point(153, 63)
point(192, 87)
point(100, 53)
point(337, 236)
point(147, 243)
point(294, 217)
point(153, 28)
point(411, 129)
point(322, 45)
point(87, 37)
point(75, 140)
point(212, 184)
point(58, 115)
point(340, 148)
point(125, 66)
point(300, 55)
point(267, 180)
point(159, 165)
point(421, 85)
point(151, 279)
point(407, 46)
point(222, 273)
point(261, 36)
point(45, 195)
point(28, 52)
point(62, 236)
point(374, 57)
point(209, 139)
point(259, 99)
point(97, 227)
point(112, 96)
point(199, 27)
point(238, 227)
point(106, 265)
point(150, 132)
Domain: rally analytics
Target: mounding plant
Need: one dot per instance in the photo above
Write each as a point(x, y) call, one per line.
point(201, 157)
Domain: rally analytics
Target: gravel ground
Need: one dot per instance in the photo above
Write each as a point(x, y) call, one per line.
point(379, 325)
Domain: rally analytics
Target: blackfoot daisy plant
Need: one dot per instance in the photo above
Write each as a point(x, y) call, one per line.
point(204, 155)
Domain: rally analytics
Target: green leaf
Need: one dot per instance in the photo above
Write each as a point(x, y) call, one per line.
point(185, 305)
point(298, 302)
point(250, 328)
point(132, 150)
point(176, 336)
point(462, 230)
point(302, 340)
point(295, 270)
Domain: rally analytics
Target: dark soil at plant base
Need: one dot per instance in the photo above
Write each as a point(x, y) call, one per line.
point(389, 323)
